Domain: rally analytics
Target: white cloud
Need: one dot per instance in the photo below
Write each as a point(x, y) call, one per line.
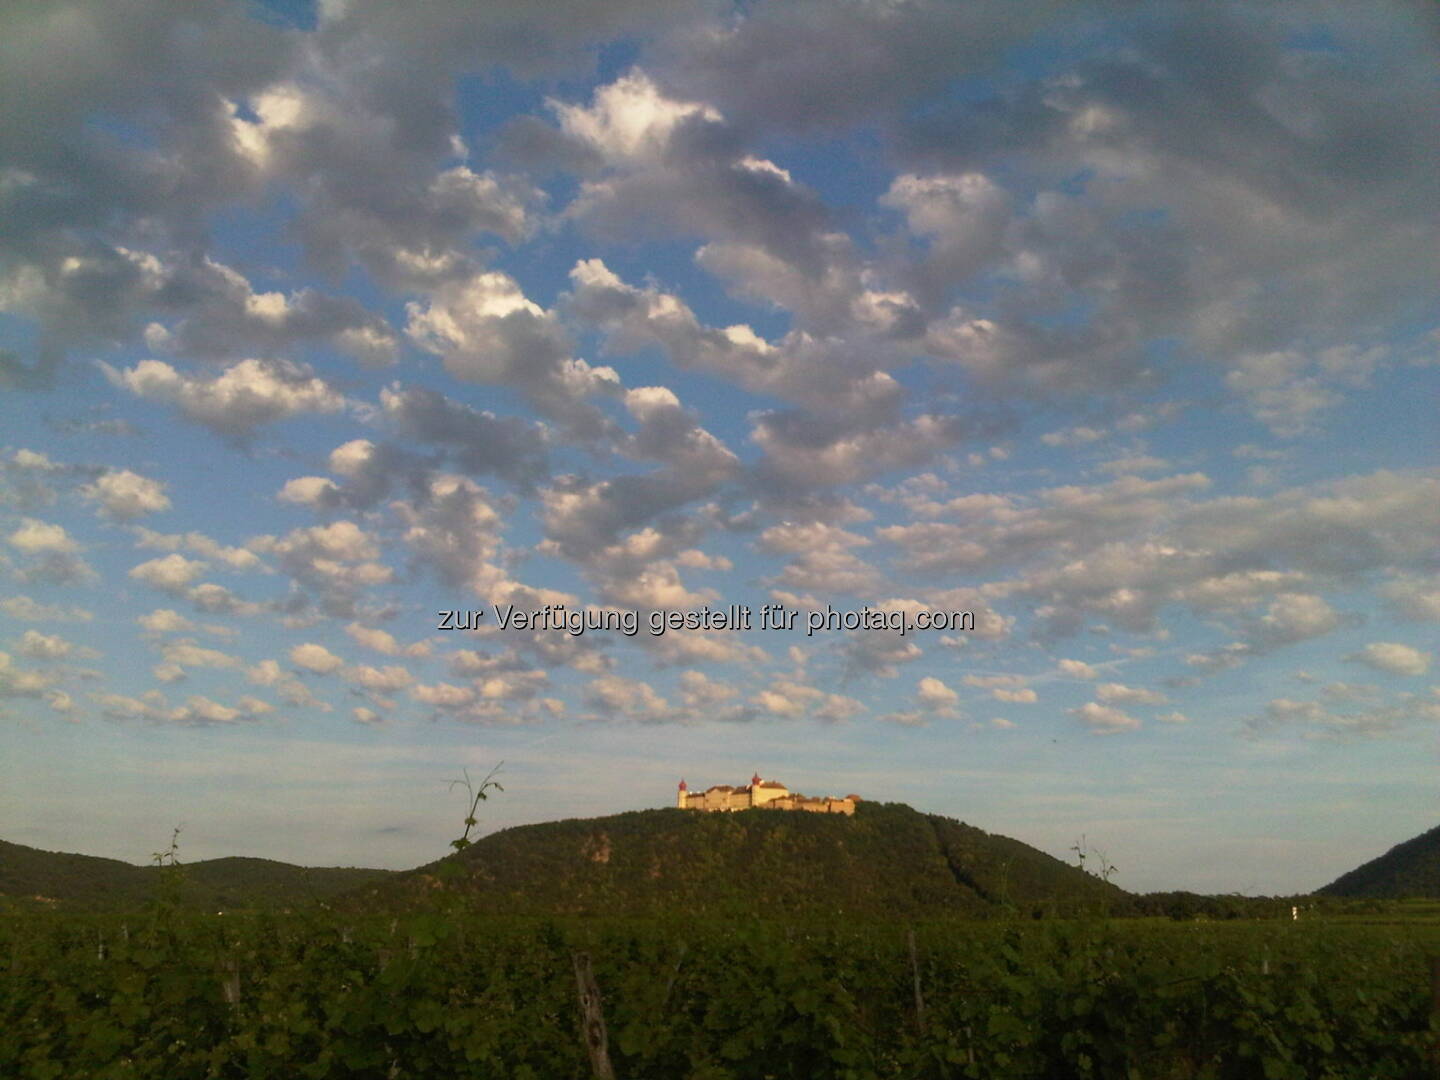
point(934, 694)
point(1120, 694)
point(237, 558)
point(1394, 658)
point(1015, 697)
point(27, 609)
point(308, 491)
point(382, 680)
point(629, 118)
point(384, 642)
point(164, 621)
point(632, 699)
point(316, 658)
point(38, 646)
point(244, 396)
point(171, 573)
point(124, 495)
point(1105, 719)
point(38, 537)
point(184, 653)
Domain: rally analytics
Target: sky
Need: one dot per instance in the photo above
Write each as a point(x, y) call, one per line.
point(1113, 327)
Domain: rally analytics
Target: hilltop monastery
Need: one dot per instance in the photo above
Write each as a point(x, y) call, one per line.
point(760, 795)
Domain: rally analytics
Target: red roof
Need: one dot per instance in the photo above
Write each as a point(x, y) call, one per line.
point(682, 784)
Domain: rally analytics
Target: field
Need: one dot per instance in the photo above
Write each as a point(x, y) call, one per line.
point(319, 994)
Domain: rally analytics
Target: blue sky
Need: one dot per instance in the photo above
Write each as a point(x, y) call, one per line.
point(1118, 331)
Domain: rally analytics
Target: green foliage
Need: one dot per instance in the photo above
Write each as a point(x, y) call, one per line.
point(476, 797)
point(886, 861)
point(1411, 869)
point(31, 878)
point(322, 995)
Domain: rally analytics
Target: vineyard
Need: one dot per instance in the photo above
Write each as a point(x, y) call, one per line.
point(436, 994)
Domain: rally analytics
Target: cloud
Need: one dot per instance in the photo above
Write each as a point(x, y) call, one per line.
point(184, 653)
point(1414, 597)
point(1077, 669)
point(197, 711)
point(1105, 719)
point(237, 558)
point(42, 538)
point(1025, 696)
point(485, 330)
point(863, 63)
point(291, 690)
point(1317, 720)
point(123, 495)
point(383, 642)
point(246, 395)
point(316, 658)
point(618, 697)
point(656, 161)
point(386, 679)
point(38, 646)
point(27, 609)
point(1393, 657)
point(790, 699)
point(171, 573)
point(1120, 694)
point(335, 563)
point(934, 696)
point(479, 441)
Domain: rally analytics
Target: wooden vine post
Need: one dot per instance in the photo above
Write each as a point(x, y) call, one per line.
point(915, 973)
point(1435, 1013)
point(597, 1042)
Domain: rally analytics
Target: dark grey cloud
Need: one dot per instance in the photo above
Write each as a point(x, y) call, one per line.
point(477, 440)
point(819, 64)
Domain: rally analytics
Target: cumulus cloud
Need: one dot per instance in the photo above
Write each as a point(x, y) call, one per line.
point(38, 646)
point(478, 440)
point(1120, 694)
point(42, 538)
point(1394, 658)
point(789, 699)
point(1105, 719)
point(486, 330)
point(123, 495)
point(235, 557)
point(246, 395)
point(618, 697)
point(934, 696)
point(384, 642)
point(386, 679)
point(185, 653)
point(170, 573)
point(316, 658)
point(335, 563)
point(26, 609)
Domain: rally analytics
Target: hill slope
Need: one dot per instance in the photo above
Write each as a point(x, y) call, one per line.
point(87, 882)
point(1408, 869)
point(886, 861)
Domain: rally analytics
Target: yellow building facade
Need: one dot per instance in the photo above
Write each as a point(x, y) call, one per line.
point(760, 795)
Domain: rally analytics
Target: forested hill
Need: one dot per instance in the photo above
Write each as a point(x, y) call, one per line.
point(1408, 869)
point(31, 877)
point(887, 861)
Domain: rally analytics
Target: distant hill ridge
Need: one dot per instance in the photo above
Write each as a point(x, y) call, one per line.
point(1411, 869)
point(886, 861)
point(87, 882)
